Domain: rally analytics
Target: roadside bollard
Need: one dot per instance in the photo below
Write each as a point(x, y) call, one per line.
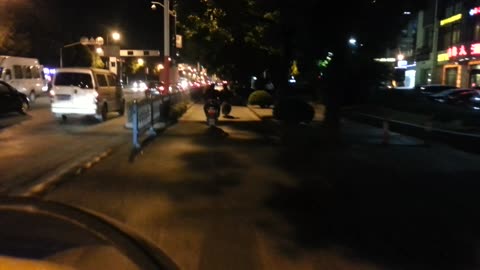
point(386, 132)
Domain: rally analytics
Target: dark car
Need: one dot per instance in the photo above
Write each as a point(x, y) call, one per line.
point(155, 88)
point(11, 100)
point(433, 88)
point(454, 96)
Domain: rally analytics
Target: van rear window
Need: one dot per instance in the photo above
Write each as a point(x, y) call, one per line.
point(82, 80)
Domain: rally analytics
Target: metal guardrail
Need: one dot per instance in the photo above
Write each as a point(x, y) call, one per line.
point(147, 115)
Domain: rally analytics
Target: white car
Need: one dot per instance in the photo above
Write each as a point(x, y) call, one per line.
point(86, 91)
point(25, 74)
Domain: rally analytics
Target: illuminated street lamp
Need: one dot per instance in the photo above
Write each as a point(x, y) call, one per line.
point(99, 51)
point(140, 62)
point(400, 57)
point(166, 36)
point(160, 67)
point(116, 36)
point(352, 41)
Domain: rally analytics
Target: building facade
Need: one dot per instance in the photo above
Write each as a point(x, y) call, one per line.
point(448, 43)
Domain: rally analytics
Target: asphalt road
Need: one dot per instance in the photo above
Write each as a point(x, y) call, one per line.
point(252, 195)
point(37, 144)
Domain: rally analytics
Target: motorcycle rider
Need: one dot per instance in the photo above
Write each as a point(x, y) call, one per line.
point(212, 98)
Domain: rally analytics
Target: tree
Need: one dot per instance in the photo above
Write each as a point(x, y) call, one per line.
point(78, 56)
point(230, 37)
point(13, 42)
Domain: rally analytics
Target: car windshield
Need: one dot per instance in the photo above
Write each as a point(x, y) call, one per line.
point(244, 134)
point(82, 80)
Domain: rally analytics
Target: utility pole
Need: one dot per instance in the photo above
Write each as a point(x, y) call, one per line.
point(166, 37)
point(436, 25)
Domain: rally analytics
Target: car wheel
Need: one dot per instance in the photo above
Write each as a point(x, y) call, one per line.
point(24, 107)
point(32, 97)
point(121, 112)
point(104, 113)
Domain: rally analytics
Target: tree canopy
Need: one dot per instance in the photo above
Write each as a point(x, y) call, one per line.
point(246, 37)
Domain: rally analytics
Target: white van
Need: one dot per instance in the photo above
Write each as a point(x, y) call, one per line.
point(86, 91)
point(25, 74)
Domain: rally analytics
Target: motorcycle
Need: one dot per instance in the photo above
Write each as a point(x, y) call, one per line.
point(212, 112)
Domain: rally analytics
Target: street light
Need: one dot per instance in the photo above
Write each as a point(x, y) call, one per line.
point(140, 62)
point(116, 36)
point(352, 41)
point(166, 36)
point(99, 51)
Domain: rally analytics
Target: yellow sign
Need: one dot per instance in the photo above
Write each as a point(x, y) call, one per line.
point(442, 57)
point(452, 19)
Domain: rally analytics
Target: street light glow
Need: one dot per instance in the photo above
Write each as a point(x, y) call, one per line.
point(116, 36)
point(154, 7)
point(160, 67)
point(352, 41)
point(140, 62)
point(99, 50)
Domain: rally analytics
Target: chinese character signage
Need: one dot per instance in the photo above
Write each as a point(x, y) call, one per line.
point(474, 11)
point(462, 51)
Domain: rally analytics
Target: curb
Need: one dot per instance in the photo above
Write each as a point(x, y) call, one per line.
point(255, 113)
point(47, 182)
point(464, 141)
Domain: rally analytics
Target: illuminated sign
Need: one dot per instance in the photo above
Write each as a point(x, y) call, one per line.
point(463, 51)
point(402, 63)
point(383, 60)
point(451, 19)
point(442, 57)
point(474, 11)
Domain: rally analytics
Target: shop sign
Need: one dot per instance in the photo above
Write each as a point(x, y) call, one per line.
point(474, 11)
point(462, 51)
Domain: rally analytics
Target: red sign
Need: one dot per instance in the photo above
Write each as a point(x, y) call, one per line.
point(461, 50)
point(474, 11)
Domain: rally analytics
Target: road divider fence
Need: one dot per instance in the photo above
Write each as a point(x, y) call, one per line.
point(146, 116)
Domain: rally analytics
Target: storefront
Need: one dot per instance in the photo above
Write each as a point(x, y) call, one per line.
point(463, 68)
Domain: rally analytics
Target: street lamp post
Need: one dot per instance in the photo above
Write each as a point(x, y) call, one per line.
point(166, 38)
point(115, 36)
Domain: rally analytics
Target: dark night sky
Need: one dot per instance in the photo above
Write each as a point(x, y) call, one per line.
point(140, 26)
point(61, 22)
point(53, 23)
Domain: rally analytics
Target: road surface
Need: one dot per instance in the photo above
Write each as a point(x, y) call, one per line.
point(37, 144)
point(243, 198)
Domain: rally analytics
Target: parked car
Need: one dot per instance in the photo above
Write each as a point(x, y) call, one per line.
point(11, 100)
point(86, 91)
point(454, 96)
point(25, 74)
point(433, 88)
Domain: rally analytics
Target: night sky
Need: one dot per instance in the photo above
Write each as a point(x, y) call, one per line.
point(53, 23)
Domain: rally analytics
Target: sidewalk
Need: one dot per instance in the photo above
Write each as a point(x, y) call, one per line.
point(237, 202)
point(352, 132)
